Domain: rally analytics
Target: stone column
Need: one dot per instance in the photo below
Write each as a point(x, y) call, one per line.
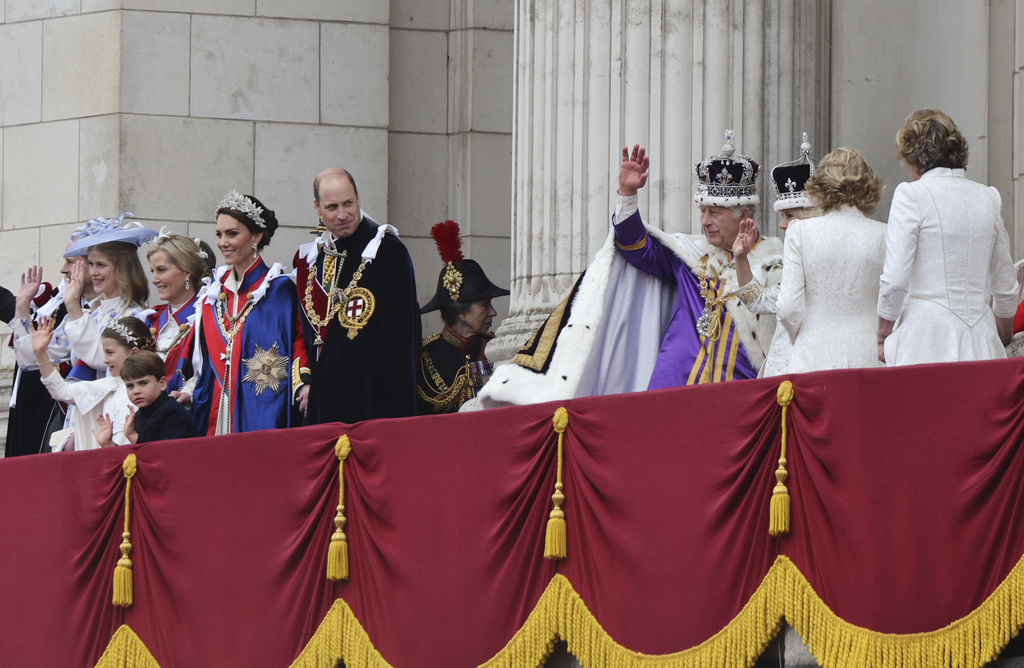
point(594, 75)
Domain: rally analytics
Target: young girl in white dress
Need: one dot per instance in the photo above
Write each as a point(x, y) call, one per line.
point(89, 401)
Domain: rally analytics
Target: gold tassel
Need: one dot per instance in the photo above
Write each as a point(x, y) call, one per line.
point(778, 524)
point(123, 594)
point(555, 537)
point(337, 551)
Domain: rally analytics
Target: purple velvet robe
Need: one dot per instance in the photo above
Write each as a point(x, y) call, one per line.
point(685, 358)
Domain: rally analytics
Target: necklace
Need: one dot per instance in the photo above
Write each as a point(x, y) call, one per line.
point(709, 324)
point(182, 330)
point(359, 304)
point(329, 272)
point(234, 321)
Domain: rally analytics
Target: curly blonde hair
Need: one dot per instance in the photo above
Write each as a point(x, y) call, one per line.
point(931, 139)
point(843, 177)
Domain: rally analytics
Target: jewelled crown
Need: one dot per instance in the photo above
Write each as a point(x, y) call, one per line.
point(727, 179)
point(238, 202)
point(789, 180)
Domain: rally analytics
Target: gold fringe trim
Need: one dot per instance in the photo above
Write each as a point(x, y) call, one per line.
point(555, 538)
point(124, 595)
point(126, 650)
point(778, 509)
point(340, 638)
point(337, 551)
point(969, 642)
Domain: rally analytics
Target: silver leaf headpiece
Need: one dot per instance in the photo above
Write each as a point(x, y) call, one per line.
point(239, 202)
point(124, 333)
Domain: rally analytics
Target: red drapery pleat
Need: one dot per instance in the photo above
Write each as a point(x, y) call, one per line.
point(906, 489)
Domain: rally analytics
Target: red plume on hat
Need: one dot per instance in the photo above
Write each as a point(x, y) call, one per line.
point(448, 238)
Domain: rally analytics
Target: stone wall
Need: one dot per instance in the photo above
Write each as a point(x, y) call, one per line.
point(159, 107)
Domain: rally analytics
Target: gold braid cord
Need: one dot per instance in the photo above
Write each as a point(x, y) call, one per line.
point(778, 511)
point(337, 551)
point(123, 594)
point(444, 397)
point(555, 538)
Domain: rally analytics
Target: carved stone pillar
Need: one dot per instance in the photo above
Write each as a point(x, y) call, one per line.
point(594, 75)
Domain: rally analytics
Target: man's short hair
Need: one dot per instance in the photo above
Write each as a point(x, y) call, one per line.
point(142, 363)
point(333, 172)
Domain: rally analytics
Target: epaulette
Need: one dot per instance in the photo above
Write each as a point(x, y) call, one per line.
point(430, 339)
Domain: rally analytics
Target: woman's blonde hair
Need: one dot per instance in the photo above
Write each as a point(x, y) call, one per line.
point(131, 279)
point(931, 139)
point(185, 254)
point(843, 177)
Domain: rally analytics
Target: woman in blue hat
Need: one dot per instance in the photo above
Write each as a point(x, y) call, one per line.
point(112, 265)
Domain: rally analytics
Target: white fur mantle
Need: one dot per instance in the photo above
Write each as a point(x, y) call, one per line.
point(619, 318)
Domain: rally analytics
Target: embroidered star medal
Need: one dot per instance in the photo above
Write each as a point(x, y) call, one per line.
point(358, 309)
point(268, 369)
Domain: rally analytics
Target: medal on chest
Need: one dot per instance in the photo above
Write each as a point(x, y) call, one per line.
point(357, 311)
point(266, 369)
point(359, 304)
point(709, 324)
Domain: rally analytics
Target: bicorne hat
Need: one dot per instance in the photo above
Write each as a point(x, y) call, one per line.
point(460, 281)
point(789, 180)
point(104, 230)
point(727, 179)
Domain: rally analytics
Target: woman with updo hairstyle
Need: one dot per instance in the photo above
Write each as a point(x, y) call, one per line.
point(831, 266)
point(948, 289)
point(247, 348)
point(179, 265)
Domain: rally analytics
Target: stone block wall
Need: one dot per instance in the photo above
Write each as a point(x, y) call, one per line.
point(160, 107)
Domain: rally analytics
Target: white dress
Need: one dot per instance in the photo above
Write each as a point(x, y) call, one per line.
point(89, 400)
point(829, 290)
point(947, 271)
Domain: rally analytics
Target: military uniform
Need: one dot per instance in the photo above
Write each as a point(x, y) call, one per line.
point(451, 370)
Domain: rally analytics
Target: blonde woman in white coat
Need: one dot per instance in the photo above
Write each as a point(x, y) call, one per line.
point(831, 267)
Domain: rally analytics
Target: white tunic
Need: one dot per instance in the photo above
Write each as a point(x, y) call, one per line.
point(829, 290)
point(947, 271)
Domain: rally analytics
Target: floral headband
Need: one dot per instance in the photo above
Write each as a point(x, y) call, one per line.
point(239, 202)
point(124, 333)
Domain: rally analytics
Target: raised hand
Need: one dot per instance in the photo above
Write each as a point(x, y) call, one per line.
point(745, 238)
point(42, 334)
point(129, 426)
point(30, 282)
point(633, 171)
point(75, 289)
point(104, 431)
